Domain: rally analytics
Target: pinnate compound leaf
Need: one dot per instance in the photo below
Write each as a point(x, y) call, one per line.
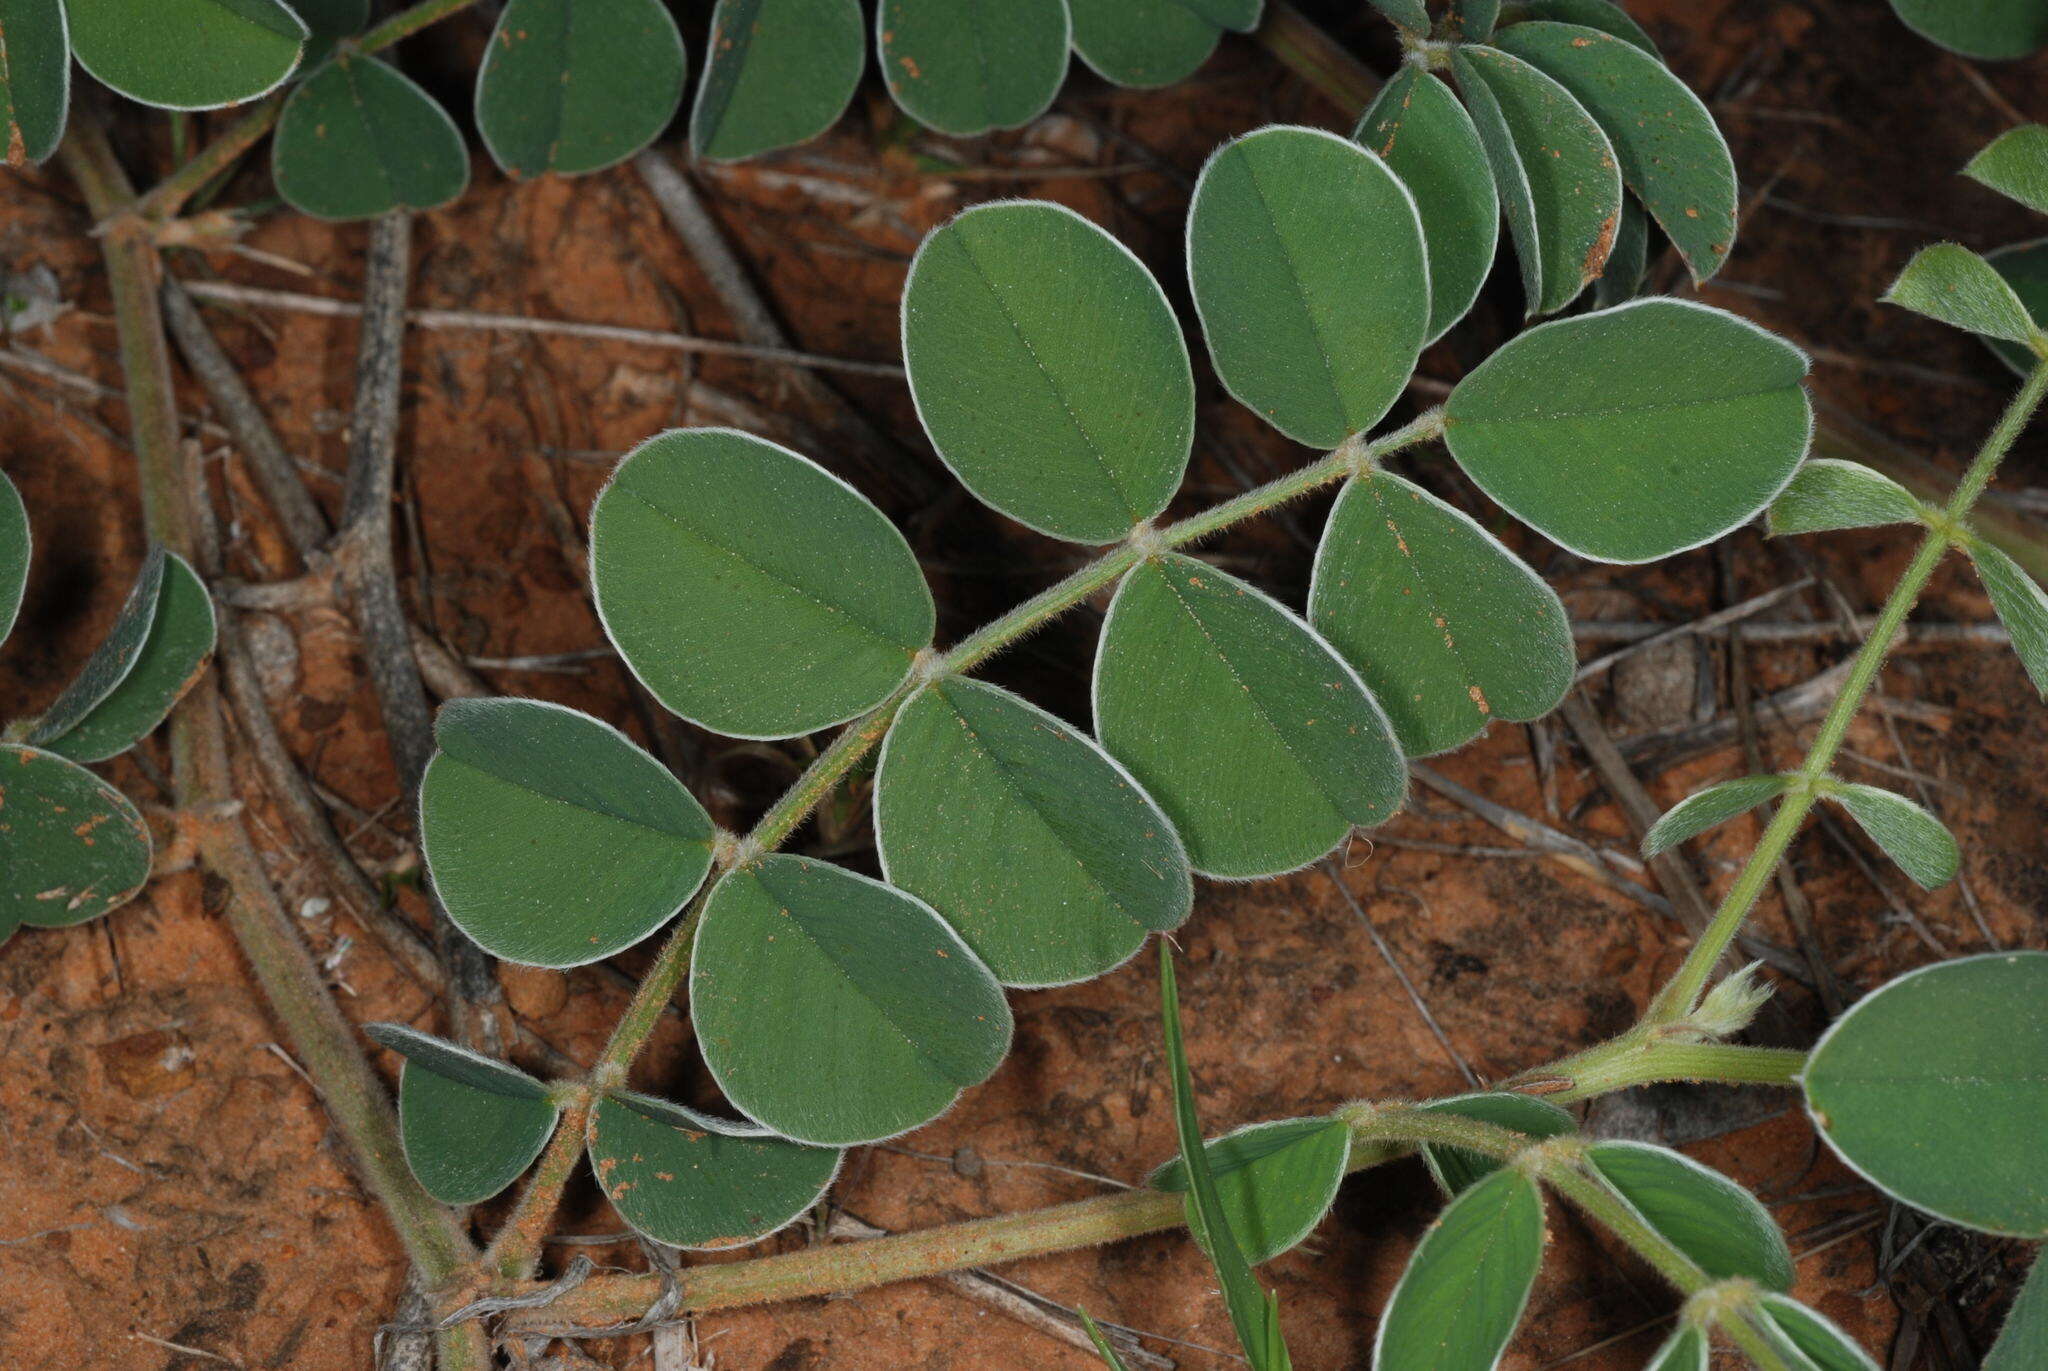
point(1146, 43)
point(2025, 268)
point(186, 54)
point(470, 1125)
point(113, 659)
point(16, 544)
point(2023, 1342)
point(551, 838)
point(1808, 1339)
point(1039, 850)
point(1417, 127)
point(1828, 493)
point(1306, 258)
point(777, 73)
point(1456, 1169)
point(1994, 29)
point(175, 651)
point(1603, 15)
point(1409, 14)
point(1048, 369)
point(1635, 432)
point(572, 86)
point(1949, 283)
point(1258, 741)
point(359, 138)
point(1672, 155)
point(1710, 808)
point(1621, 280)
point(2015, 164)
point(2021, 605)
point(71, 846)
point(1933, 1088)
point(1685, 1350)
point(1275, 1181)
point(35, 78)
point(964, 68)
point(835, 1009)
point(750, 590)
point(1917, 841)
point(1702, 1213)
point(1458, 1302)
point(695, 1181)
point(1447, 628)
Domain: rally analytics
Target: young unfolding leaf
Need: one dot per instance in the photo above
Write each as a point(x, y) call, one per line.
point(1409, 14)
point(1994, 29)
point(1274, 1181)
point(1048, 369)
point(963, 67)
point(360, 138)
point(113, 659)
point(1923, 848)
point(552, 839)
point(469, 1124)
point(1559, 181)
point(2025, 268)
point(692, 1180)
point(1950, 283)
point(1672, 156)
point(1470, 21)
point(16, 543)
point(173, 653)
point(1710, 808)
point(35, 78)
point(1458, 1302)
point(186, 54)
point(570, 86)
point(1603, 15)
point(777, 73)
point(1636, 432)
point(749, 589)
point(1931, 1087)
point(1417, 127)
point(2023, 1342)
point(1699, 1211)
point(1807, 1339)
point(2015, 164)
point(2021, 605)
point(1040, 851)
point(1621, 280)
point(836, 1010)
point(1456, 1169)
point(1828, 493)
point(1306, 259)
point(1448, 628)
point(1149, 43)
point(71, 847)
point(1257, 740)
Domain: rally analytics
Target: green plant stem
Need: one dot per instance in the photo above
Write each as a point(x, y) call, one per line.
point(1631, 1060)
point(1597, 1201)
point(1678, 998)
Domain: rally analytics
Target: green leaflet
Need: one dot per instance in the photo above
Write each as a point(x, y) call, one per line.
point(1685, 1350)
point(1048, 369)
point(1038, 849)
point(1457, 1169)
point(1417, 127)
point(359, 138)
point(1470, 21)
point(329, 21)
point(1828, 493)
point(1556, 171)
point(749, 589)
point(1995, 29)
point(1710, 808)
point(1952, 284)
point(1409, 14)
point(1917, 841)
point(35, 78)
point(113, 659)
point(551, 838)
point(1447, 628)
point(1808, 1339)
point(72, 846)
point(186, 54)
point(1933, 1087)
point(1671, 154)
point(777, 73)
point(1306, 259)
point(836, 1010)
point(2021, 606)
point(16, 543)
point(964, 67)
point(2015, 164)
point(2023, 1343)
point(174, 652)
point(1149, 43)
point(1621, 280)
point(1603, 15)
point(1257, 740)
point(470, 1125)
point(690, 1180)
point(571, 86)
point(2025, 268)
point(1458, 1302)
point(1636, 432)
point(1702, 1213)
point(1274, 1181)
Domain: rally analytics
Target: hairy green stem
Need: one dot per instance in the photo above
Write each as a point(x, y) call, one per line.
point(1640, 1060)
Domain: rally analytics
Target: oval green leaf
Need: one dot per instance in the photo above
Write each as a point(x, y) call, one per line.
point(1994, 29)
point(551, 838)
point(113, 659)
point(749, 589)
point(1918, 842)
point(1636, 432)
point(360, 138)
point(777, 73)
point(2015, 164)
point(1306, 259)
point(174, 652)
point(1275, 1180)
point(1808, 1339)
point(1710, 808)
point(187, 54)
point(1448, 629)
point(1409, 14)
point(71, 846)
point(1259, 742)
point(572, 86)
point(2025, 268)
point(2021, 605)
point(16, 544)
point(35, 78)
point(836, 1010)
point(1048, 369)
point(1417, 127)
point(1458, 1302)
point(1146, 43)
point(1603, 15)
point(1685, 1350)
point(2023, 1342)
point(470, 1125)
point(1710, 1218)
point(693, 1181)
point(1457, 1168)
point(1949, 283)
point(1828, 494)
point(1932, 1087)
point(964, 68)
point(1040, 851)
